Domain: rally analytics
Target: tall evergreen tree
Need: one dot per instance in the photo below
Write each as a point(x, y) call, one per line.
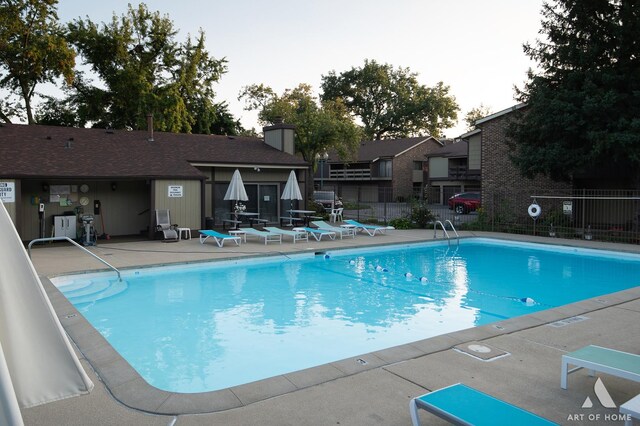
point(583, 102)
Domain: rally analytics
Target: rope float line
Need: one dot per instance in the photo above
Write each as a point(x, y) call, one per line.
point(527, 301)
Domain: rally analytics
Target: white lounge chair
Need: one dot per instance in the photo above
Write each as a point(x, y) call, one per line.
point(349, 232)
point(597, 358)
point(164, 225)
point(218, 237)
point(463, 405)
point(268, 237)
point(296, 235)
point(319, 233)
point(369, 229)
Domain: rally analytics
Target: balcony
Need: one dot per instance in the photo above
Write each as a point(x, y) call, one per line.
point(350, 174)
point(461, 173)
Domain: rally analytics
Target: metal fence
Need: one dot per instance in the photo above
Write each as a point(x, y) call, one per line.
point(603, 215)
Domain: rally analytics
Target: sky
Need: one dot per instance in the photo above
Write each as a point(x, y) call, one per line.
point(474, 47)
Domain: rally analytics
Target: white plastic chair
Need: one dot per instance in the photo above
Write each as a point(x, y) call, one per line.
point(336, 214)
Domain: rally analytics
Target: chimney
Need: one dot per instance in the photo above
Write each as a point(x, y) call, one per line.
point(150, 126)
point(280, 136)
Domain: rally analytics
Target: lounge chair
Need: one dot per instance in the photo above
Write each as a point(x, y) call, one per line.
point(217, 237)
point(319, 233)
point(321, 224)
point(164, 225)
point(597, 358)
point(369, 229)
point(267, 236)
point(296, 235)
point(463, 405)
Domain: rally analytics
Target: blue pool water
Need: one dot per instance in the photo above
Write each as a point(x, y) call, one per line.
point(208, 327)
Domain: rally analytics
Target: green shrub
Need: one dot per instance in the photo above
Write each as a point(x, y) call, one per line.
point(401, 223)
point(421, 215)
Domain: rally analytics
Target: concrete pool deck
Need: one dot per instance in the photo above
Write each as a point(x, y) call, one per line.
point(365, 390)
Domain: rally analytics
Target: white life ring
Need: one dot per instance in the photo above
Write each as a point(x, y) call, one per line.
point(534, 210)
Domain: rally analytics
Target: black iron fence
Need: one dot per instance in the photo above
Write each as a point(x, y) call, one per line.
point(603, 215)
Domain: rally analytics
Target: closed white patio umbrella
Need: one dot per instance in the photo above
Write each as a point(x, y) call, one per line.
point(37, 363)
point(236, 189)
point(291, 189)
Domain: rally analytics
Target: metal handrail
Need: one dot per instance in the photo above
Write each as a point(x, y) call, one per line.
point(454, 230)
point(37, 240)
point(435, 230)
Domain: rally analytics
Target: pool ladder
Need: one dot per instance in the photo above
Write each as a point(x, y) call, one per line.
point(444, 230)
point(37, 240)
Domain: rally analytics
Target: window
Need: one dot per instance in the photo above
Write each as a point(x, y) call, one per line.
point(417, 165)
point(384, 168)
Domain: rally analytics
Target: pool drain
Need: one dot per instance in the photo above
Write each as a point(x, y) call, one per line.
point(480, 351)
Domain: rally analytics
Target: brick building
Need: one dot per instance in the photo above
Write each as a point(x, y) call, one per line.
point(383, 170)
point(501, 181)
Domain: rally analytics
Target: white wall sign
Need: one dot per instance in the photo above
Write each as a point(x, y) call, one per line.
point(8, 192)
point(567, 207)
point(175, 191)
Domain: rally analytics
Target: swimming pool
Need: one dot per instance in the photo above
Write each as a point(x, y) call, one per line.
point(204, 327)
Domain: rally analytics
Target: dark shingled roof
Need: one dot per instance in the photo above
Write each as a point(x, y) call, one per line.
point(452, 150)
point(31, 151)
point(385, 148)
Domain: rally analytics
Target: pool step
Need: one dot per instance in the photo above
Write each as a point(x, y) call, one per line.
point(95, 291)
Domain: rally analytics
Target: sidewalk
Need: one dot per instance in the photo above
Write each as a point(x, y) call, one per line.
point(378, 393)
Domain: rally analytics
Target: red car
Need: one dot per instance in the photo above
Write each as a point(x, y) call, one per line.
point(465, 202)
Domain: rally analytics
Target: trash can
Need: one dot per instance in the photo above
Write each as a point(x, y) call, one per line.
point(209, 223)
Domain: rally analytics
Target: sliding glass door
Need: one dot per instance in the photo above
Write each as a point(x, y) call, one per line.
point(263, 199)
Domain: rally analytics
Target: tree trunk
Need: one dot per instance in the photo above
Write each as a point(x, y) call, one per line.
point(4, 118)
point(26, 95)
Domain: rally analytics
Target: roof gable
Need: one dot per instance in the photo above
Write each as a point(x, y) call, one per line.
point(370, 151)
point(453, 150)
point(499, 113)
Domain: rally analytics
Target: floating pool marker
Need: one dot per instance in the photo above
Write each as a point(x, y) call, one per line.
point(381, 269)
point(408, 274)
point(326, 256)
point(352, 262)
point(423, 279)
point(528, 301)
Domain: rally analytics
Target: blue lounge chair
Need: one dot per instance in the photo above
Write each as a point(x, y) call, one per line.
point(369, 229)
point(321, 224)
point(463, 405)
point(217, 237)
point(297, 236)
point(319, 233)
point(268, 237)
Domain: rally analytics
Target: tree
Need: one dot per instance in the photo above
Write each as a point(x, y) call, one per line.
point(583, 105)
point(390, 102)
point(475, 114)
point(55, 112)
point(319, 126)
point(33, 49)
point(144, 70)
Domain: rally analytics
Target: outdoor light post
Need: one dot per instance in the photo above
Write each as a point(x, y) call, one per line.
point(322, 158)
